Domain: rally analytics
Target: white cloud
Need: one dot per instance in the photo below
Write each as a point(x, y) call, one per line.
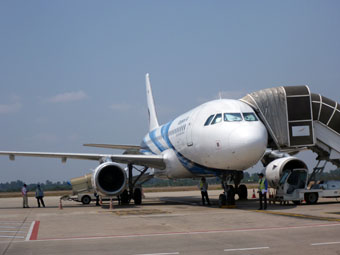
point(68, 97)
point(120, 107)
point(10, 108)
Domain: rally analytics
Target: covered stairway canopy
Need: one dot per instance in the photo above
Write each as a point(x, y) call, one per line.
point(296, 118)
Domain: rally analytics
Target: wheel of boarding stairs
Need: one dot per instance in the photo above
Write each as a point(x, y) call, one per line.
point(311, 198)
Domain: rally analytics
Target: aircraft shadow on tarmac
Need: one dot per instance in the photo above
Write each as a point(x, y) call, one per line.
point(250, 204)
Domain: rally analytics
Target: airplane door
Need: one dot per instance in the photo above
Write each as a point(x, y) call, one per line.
point(189, 129)
point(189, 134)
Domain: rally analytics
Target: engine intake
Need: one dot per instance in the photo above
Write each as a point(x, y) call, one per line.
point(109, 179)
point(276, 169)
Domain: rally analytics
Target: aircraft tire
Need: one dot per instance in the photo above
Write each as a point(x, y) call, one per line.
point(231, 195)
point(222, 200)
point(242, 192)
point(137, 196)
point(124, 198)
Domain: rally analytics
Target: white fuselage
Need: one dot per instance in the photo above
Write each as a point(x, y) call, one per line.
point(213, 138)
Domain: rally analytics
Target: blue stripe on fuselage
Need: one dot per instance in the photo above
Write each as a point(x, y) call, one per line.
point(165, 134)
point(191, 166)
point(153, 137)
point(198, 169)
point(145, 149)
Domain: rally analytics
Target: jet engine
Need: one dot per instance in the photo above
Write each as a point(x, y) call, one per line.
point(109, 179)
point(279, 167)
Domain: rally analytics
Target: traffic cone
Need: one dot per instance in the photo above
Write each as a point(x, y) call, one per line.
point(60, 205)
point(111, 204)
point(100, 200)
point(254, 196)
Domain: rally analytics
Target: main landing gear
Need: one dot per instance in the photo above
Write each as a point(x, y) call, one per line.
point(133, 191)
point(228, 196)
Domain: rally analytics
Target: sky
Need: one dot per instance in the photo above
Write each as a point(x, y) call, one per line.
point(73, 72)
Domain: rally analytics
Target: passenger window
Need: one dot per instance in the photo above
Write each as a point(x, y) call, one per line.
point(232, 117)
point(217, 119)
point(249, 116)
point(207, 122)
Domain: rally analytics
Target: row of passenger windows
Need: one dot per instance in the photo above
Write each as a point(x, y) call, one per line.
point(216, 118)
point(177, 130)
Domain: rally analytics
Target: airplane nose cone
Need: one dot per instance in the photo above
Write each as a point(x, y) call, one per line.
point(249, 144)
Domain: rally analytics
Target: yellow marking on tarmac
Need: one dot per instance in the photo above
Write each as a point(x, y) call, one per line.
point(297, 215)
point(228, 206)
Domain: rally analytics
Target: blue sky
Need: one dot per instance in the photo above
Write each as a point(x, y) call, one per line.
point(72, 72)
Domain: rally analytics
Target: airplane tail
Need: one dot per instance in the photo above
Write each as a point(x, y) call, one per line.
point(153, 122)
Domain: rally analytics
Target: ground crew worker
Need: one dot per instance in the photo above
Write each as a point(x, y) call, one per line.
point(204, 191)
point(24, 191)
point(263, 189)
point(39, 194)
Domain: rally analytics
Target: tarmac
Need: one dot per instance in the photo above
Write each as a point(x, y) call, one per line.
point(169, 223)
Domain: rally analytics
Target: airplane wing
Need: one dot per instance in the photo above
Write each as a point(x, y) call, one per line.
point(153, 161)
point(129, 149)
point(113, 146)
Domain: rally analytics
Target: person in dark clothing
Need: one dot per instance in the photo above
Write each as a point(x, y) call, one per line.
point(39, 194)
point(263, 189)
point(203, 185)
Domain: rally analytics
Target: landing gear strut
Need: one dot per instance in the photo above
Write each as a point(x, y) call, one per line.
point(228, 196)
point(133, 192)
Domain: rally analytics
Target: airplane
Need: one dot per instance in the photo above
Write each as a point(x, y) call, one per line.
point(220, 138)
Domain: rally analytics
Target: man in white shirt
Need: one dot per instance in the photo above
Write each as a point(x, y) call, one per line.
point(24, 196)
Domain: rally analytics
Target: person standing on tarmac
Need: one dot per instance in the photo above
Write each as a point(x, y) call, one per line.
point(39, 194)
point(204, 191)
point(263, 189)
point(24, 191)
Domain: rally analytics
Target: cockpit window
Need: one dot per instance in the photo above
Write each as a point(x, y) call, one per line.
point(217, 119)
point(249, 116)
point(232, 117)
point(207, 122)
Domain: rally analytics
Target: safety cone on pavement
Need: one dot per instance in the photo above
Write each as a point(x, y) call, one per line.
point(60, 205)
point(254, 196)
point(100, 200)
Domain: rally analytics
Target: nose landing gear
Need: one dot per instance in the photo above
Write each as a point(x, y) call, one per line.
point(228, 196)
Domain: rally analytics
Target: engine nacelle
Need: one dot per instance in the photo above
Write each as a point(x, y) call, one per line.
point(109, 179)
point(276, 169)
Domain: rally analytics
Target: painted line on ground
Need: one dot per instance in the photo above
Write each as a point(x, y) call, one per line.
point(186, 233)
point(33, 231)
point(297, 215)
point(12, 227)
point(328, 243)
point(11, 231)
point(12, 237)
point(13, 222)
point(168, 253)
point(247, 249)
